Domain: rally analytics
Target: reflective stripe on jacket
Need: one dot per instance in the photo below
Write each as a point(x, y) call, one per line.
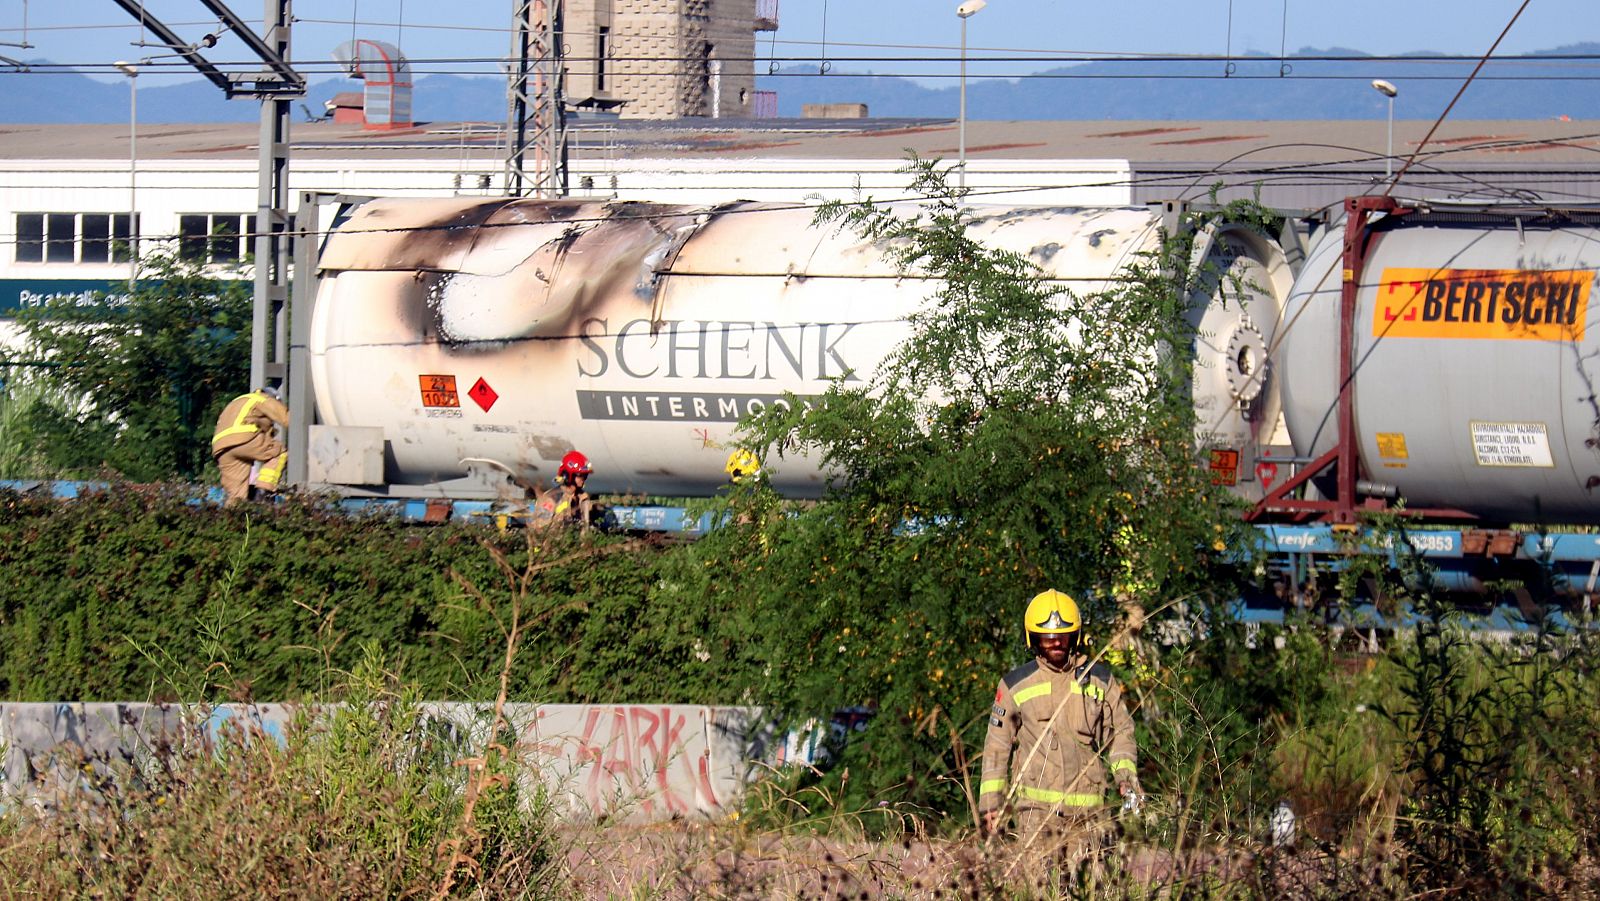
point(244, 417)
point(1048, 733)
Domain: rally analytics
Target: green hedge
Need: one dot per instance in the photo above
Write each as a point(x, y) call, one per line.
point(126, 595)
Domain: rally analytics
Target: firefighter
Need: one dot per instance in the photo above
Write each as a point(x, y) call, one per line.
point(248, 453)
point(1059, 734)
point(569, 502)
point(741, 464)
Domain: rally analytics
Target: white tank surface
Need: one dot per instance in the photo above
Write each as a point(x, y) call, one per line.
point(514, 330)
point(1476, 375)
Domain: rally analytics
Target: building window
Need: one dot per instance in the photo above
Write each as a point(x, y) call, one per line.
point(106, 238)
point(602, 49)
point(60, 237)
point(30, 237)
point(74, 237)
point(210, 237)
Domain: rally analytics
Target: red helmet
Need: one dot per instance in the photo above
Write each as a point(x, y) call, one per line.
point(574, 464)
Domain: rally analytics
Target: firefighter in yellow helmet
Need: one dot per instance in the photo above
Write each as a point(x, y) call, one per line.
point(1059, 737)
point(245, 446)
point(742, 464)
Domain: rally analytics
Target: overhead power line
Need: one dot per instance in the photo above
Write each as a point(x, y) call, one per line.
point(1452, 104)
point(1546, 61)
point(671, 66)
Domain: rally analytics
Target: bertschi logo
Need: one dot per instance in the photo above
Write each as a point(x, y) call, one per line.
point(1497, 304)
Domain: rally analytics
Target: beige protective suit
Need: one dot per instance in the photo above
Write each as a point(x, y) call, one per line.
point(244, 438)
point(564, 504)
point(1057, 740)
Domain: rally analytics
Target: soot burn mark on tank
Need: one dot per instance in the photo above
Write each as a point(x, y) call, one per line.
point(531, 212)
point(426, 246)
point(550, 447)
point(1095, 236)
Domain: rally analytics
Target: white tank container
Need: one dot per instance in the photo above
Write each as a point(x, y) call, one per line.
point(1476, 374)
point(516, 330)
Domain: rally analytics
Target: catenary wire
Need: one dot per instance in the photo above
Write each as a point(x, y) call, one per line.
point(1452, 104)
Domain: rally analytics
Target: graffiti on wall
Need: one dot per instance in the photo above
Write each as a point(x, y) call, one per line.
point(614, 759)
point(632, 762)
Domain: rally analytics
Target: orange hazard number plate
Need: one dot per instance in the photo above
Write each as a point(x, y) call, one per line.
point(1224, 467)
point(439, 391)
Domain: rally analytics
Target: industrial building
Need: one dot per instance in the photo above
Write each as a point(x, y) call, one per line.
point(613, 51)
point(70, 195)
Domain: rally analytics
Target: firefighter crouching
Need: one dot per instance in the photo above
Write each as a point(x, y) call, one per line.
point(248, 453)
point(568, 502)
point(1059, 736)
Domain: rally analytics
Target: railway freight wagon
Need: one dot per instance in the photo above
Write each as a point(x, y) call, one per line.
point(1439, 357)
point(456, 338)
point(1431, 355)
point(1470, 372)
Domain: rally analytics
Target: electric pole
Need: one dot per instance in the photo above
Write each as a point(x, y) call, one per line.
point(536, 125)
point(276, 85)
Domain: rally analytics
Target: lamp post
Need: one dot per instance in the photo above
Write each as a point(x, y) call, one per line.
point(1388, 90)
point(965, 11)
point(132, 71)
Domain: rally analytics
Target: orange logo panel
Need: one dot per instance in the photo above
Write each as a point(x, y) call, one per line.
point(1494, 304)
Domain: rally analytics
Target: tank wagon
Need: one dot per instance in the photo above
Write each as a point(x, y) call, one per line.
point(1471, 373)
point(1436, 357)
point(462, 336)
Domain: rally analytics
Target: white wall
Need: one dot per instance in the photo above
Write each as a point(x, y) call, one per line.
point(167, 189)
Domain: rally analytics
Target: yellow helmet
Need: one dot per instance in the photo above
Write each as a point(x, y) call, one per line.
point(742, 463)
point(1051, 613)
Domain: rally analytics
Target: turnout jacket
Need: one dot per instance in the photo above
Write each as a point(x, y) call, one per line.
point(247, 416)
point(563, 504)
point(1048, 732)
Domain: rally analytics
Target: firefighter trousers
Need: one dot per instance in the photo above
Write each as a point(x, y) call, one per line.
point(234, 464)
point(1066, 841)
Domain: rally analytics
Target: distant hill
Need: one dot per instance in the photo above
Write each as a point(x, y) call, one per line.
point(1309, 89)
point(69, 97)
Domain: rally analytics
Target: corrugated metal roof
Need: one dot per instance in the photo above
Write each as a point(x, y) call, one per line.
point(1304, 165)
point(1141, 142)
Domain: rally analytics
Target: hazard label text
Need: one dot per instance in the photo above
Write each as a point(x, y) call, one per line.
point(1224, 466)
point(439, 391)
point(1392, 445)
point(1511, 444)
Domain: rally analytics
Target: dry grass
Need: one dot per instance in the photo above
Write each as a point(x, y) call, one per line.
point(239, 816)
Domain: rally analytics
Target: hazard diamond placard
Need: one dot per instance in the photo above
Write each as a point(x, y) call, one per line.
point(482, 394)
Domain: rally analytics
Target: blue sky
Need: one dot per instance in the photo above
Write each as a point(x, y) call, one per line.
point(67, 30)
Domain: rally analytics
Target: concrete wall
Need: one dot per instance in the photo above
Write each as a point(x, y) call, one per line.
point(637, 762)
point(583, 22)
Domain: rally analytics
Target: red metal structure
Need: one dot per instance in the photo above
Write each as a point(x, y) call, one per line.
point(1347, 503)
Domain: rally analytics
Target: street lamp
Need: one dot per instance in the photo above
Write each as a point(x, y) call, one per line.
point(965, 11)
point(132, 71)
point(1388, 90)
